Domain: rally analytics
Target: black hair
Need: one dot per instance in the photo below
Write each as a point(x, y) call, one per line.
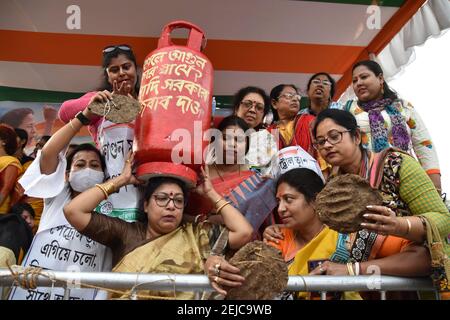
point(238, 96)
point(340, 117)
point(9, 138)
point(155, 183)
point(377, 70)
point(275, 94)
point(85, 147)
point(305, 181)
point(333, 83)
point(15, 117)
point(18, 208)
point(23, 135)
point(234, 120)
point(106, 61)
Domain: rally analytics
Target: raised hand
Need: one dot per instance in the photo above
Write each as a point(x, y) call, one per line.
point(123, 89)
point(204, 187)
point(49, 113)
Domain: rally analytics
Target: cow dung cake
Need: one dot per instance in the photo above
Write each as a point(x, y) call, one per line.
point(342, 202)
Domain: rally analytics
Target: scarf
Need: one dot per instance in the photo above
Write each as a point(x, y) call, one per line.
point(401, 138)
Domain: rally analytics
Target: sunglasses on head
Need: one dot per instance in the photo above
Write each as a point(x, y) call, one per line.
point(110, 49)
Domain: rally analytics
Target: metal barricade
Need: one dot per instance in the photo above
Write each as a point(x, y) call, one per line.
point(200, 283)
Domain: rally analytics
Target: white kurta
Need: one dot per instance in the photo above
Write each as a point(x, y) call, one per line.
point(57, 245)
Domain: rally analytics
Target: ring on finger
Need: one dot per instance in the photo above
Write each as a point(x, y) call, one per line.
point(216, 279)
point(322, 270)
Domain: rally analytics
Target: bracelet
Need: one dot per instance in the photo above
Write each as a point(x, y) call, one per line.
point(409, 226)
point(357, 268)
point(350, 269)
point(217, 201)
point(107, 188)
point(221, 207)
point(71, 124)
point(105, 193)
point(197, 218)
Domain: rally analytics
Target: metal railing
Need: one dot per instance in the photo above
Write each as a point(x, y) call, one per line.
point(200, 283)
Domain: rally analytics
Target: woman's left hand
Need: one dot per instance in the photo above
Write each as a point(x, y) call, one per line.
point(383, 221)
point(124, 89)
point(331, 269)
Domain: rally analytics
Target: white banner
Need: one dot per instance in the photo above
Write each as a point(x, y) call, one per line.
point(62, 248)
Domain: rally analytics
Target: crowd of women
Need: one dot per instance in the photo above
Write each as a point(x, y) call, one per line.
point(97, 216)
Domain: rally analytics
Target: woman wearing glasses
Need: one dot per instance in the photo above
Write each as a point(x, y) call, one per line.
point(309, 246)
point(409, 197)
point(321, 88)
point(163, 244)
point(387, 121)
point(114, 141)
point(252, 105)
point(293, 129)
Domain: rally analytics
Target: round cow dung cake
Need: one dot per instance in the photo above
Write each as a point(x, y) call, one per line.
point(342, 202)
point(121, 109)
point(264, 269)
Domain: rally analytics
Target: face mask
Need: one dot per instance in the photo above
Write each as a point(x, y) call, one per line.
point(84, 179)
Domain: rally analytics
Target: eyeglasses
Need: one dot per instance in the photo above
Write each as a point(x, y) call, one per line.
point(333, 137)
point(323, 82)
point(163, 200)
point(110, 49)
point(290, 96)
point(249, 103)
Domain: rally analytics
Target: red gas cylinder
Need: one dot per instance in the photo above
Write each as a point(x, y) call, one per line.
point(175, 95)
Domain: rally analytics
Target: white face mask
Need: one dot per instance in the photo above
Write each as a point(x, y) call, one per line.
point(84, 179)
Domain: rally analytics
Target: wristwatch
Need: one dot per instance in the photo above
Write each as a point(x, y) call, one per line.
point(83, 119)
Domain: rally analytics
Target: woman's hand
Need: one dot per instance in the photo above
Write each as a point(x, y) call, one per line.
point(273, 233)
point(101, 96)
point(205, 187)
point(384, 221)
point(331, 269)
point(222, 273)
point(49, 114)
point(124, 88)
point(127, 177)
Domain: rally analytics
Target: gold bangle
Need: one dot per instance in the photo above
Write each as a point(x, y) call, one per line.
point(107, 188)
point(409, 226)
point(350, 268)
point(217, 201)
point(221, 207)
point(103, 190)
